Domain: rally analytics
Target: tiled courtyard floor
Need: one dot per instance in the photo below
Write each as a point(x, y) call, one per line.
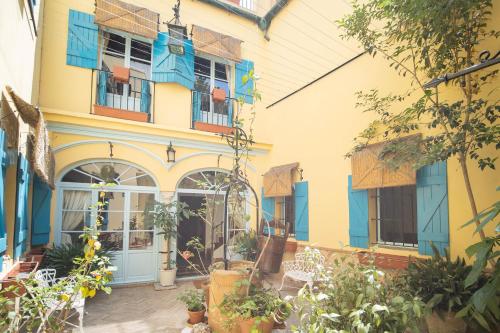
point(142, 309)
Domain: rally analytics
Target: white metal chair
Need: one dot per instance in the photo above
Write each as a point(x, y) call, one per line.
point(304, 268)
point(46, 278)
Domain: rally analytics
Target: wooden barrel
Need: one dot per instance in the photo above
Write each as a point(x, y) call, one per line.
point(273, 253)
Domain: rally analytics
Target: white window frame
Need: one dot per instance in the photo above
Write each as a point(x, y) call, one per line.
point(213, 60)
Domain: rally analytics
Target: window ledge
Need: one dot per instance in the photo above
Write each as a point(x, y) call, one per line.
point(121, 114)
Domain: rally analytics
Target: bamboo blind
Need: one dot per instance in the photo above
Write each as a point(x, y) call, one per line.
point(212, 42)
point(278, 181)
point(369, 171)
point(123, 16)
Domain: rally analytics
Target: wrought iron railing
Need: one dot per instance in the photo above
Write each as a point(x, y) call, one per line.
point(136, 95)
point(205, 110)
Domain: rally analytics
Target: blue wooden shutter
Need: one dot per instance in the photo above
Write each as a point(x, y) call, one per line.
point(145, 96)
point(82, 40)
point(302, 211)
point(358, 216)
point(168, 67)
point(432, 208)
point(3, 167)
point(241, 89)
point(268, 207)
point(21, 227)
point(40, 212)
point(102, 88)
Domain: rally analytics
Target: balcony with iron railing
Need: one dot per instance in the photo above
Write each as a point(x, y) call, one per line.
point(127, 98)
point(210, 115)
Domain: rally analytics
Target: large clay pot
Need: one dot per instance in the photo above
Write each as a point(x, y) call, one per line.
point(249, 325)
point(206, 289)
point(167, 277)
point(196, 317)
point(445, 322)
point(221, 283)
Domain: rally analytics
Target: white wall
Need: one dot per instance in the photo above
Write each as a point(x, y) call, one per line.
point(18, 46)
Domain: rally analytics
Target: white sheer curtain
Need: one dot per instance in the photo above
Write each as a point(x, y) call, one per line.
point(75, 209)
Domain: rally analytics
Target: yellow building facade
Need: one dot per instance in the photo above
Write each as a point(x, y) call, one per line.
point(110, 97)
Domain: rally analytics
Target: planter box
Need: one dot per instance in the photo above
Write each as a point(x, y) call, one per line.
point(384, 261)
point(291, 246)
point(19, 270)
point(200, 126)
point(121, 114)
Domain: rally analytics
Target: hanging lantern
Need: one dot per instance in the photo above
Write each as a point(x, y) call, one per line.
point(177, 32)
point(170, 153)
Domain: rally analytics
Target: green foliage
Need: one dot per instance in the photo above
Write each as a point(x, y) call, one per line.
point(422, 40)
point(354, 298)
point(260, 304)
point(194, 299)
point(440, 281)
point(165, 217)
point(245, 243)
point(35, 310)
point(62, 257)
point(484, 305)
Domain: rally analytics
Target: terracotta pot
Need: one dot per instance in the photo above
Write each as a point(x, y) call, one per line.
point(200, 282)
point(196, 317)
point(264, 326)
point(291, 246)
point(445, 322)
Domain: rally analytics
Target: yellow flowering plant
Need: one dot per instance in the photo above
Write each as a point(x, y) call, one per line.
point(45, 307)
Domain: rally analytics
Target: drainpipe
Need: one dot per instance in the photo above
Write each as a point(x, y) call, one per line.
point(265, 21)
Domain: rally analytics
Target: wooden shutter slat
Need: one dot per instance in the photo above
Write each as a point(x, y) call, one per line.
point(302, 211)
point(358, 216)
point(82, 40)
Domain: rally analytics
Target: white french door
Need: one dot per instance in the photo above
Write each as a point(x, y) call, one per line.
point(134, 244)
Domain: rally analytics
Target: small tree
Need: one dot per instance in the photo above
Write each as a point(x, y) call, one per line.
point(166, 217)
point(422, 40)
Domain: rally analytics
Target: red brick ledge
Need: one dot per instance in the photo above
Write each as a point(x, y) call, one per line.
point(200, 126)
point(121, 114)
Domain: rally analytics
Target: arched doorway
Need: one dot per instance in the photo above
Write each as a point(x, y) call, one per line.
point(123, 229)
point(204, 191)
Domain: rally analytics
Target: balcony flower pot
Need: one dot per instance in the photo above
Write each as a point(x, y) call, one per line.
point(250, 325)
point(441, 321)
point(167, 277)
point(218, 95)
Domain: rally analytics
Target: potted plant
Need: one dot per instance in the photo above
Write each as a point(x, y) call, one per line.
point(194, 300)
point(165, 217)
point(440, 282)
point(255, 312)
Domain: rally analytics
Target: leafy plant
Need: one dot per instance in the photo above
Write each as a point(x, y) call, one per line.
point(245, 243)
point(62, 257)
point(34, 311)
point(166, 216)
point(194, 300)
point(484, 304)
point(260, 304)
point(422, 40)
point(354, 298)
point(440, 281)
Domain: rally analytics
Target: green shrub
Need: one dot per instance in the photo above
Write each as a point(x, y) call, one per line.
point(246, 244)
point(440, 281)
point(62, 257)
point(355, 298)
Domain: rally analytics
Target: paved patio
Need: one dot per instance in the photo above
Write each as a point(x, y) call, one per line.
point(141, 309)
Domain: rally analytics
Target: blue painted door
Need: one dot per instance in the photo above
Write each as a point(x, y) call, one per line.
point(358, 216)
point(302, 211)
point(21, 225)
point(432, 208)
